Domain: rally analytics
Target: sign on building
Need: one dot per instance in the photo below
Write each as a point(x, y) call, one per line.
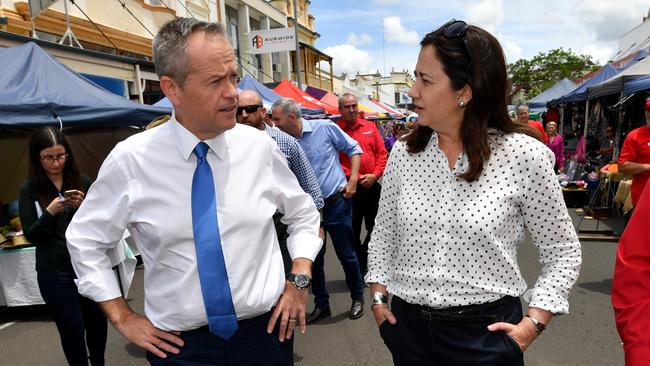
point(272, 40)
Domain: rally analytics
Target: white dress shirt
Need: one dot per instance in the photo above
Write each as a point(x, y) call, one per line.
point(145, 186)
point(441, 241)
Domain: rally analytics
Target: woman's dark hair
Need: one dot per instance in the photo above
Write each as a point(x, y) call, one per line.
point(44, 188)
point(476, 60)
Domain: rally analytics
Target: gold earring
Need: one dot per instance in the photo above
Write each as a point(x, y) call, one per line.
point(461, 103)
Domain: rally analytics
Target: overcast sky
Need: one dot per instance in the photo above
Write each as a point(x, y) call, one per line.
point(370, 35)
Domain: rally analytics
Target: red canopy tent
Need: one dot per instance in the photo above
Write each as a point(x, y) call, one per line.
point(390, 110)
point(288, 90)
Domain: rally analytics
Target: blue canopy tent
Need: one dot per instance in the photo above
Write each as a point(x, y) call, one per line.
point(37, 90)
point(249, 83)
point(268, 95)
point(580, 93)
point(634, 86)
point(615, 84)
point(562, 87)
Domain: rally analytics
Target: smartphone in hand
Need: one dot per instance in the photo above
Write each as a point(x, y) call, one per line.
point(70, 193)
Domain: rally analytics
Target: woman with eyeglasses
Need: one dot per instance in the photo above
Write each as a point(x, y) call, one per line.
point(556, 144)
point(458, 194)
point(48, 199)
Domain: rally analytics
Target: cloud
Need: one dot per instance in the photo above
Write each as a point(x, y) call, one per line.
point(394, 31)
point(600, 54)
point(349, 59)
point(355, 40)
point(487, 14)
point(610, 19)
point(512, 50)
point(386, 2)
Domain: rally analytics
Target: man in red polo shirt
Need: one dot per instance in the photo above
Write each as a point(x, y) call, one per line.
point(373, 161)
point(635, 156)
point(522, 117)
point(631, 286)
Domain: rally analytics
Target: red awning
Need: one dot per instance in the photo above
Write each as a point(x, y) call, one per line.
point(288, 90)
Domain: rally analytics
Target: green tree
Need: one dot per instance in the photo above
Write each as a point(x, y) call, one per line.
point(545, 69)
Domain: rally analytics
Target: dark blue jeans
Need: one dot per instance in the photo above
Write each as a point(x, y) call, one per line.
point(337, 219)
point(251, 345)
point(416, 340)
point(79, 320)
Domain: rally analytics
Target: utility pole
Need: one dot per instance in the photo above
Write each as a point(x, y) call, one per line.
point(297, 58)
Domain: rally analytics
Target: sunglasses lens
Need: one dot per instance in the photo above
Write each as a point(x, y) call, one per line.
point(249, 109)
point(455, 29)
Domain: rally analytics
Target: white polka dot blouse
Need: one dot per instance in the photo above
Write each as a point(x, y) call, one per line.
point(441, 241)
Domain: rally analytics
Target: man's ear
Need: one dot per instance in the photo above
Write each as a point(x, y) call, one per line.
point(171, 89)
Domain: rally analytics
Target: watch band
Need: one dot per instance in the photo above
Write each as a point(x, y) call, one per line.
point(539, 326)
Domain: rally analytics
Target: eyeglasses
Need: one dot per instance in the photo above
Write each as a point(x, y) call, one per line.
point(458, 29)
point(51, 158)
point(249, 109)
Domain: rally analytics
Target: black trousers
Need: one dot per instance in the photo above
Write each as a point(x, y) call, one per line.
point(251, 345)
point(417, 339)
point(365, 204)
point(79, 320)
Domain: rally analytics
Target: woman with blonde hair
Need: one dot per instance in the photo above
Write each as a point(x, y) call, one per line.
point(556, 144)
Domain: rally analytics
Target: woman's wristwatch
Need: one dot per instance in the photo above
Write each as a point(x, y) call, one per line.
point(539, 326)
point(379, 298)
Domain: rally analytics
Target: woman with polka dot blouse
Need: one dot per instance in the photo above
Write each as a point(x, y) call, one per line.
point(458, 194)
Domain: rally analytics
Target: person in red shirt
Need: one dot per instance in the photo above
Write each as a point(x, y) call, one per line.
point(635, 156)
point(522, 117)
point(373, 161)
point(631, 286)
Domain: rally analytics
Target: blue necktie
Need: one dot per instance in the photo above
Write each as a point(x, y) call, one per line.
point(213, 275)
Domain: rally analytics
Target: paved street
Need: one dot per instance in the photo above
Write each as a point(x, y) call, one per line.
point(585, 337)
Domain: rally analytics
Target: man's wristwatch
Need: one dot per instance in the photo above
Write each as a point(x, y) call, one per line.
point(539, 326)
point(300, 280)
point(379, 298)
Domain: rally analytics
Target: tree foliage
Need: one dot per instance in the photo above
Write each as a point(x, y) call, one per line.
point(545, 69)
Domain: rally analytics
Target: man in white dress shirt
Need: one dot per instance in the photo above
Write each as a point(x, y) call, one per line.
point(146, 184)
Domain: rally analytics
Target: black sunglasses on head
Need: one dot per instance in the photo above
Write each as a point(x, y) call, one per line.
point(249, 109)
point(458, 29)
point(455, 29)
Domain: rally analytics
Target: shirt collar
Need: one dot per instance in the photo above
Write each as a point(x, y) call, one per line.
point(186, 141)
point(306, 126)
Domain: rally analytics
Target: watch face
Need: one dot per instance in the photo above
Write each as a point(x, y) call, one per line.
point(301, 281)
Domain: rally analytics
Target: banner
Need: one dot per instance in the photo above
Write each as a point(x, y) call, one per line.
point(272, 40)
point(36, 7)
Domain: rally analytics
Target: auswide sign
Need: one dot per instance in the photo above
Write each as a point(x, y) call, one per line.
point(272, 40)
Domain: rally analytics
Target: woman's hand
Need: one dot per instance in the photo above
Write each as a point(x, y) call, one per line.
point(523, 333)
point(76, 199)
point(382, 313)
point(56, 206)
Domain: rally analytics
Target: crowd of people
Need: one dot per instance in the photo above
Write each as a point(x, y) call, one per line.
point(230, 203)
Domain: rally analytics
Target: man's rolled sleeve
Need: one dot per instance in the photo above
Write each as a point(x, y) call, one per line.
point(97, 227)
point(300, 213)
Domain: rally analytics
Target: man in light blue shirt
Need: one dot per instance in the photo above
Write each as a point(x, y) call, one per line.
point(322, 140)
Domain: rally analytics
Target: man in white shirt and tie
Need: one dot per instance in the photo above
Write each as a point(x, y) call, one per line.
point(198, 195)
